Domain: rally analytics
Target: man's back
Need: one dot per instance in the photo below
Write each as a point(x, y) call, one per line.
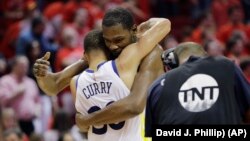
point(96, 90)
point(203, 93)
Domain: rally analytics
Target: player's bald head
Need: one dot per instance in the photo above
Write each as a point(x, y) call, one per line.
point(187, 49)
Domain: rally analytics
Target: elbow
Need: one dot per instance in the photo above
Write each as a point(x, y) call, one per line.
point(167, 25)
point(135, 109)
point(164, 26)
point(167, 21)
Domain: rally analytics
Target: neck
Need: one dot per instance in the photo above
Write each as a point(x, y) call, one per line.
point(95, 60)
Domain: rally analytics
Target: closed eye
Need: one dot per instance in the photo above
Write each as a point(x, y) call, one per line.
point(118, 40)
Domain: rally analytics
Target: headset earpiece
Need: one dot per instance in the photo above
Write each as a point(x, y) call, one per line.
point(170, 59)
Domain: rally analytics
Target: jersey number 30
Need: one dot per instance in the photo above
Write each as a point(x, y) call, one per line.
point(104, 129)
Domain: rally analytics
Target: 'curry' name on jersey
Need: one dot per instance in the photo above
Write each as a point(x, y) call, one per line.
point(96, 88)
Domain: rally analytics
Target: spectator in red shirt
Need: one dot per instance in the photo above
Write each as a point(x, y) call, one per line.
point(236, 23)
point(207, 24)
point(235, 47)
point(70, 51)
point(219, 9)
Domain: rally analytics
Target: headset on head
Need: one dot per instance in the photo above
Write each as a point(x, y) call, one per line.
point(170, 58)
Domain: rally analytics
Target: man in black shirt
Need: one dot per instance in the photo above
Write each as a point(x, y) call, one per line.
point(200, 90)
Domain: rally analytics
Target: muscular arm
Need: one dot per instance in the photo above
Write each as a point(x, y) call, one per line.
point(155, 29)
point(53, 83)
point(132, 105)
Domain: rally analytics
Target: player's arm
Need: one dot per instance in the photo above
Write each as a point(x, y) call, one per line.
point(53, 83)
point(128, 61)
point(127, 64)
point(132, 105)
point(155, 30)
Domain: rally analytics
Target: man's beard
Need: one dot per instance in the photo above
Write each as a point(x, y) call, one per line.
point(114, 54)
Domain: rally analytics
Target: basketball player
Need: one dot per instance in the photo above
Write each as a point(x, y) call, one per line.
point(199, 89)
point(105, 82)
point(119, 31)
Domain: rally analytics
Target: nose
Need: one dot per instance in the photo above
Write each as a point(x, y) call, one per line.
point(113, 46)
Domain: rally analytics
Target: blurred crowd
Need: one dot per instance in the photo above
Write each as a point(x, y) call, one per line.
point(29, 28)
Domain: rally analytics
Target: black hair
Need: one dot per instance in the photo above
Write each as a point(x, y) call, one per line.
point(201, 18)
point(62, 121)
point(94, 41)
point(118, 16)
point(232, 42)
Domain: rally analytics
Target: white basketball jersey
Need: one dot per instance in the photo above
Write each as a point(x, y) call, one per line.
point(96, 90)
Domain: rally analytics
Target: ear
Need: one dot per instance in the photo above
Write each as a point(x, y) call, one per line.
point(134, 28)
point(85, 57)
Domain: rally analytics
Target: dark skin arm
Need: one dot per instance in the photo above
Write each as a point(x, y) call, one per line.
point(53, 83)
point(132, 105)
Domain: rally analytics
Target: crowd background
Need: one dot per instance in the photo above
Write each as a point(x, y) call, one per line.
point(29, 28)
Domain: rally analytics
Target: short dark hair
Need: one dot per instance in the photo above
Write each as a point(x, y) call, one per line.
point(118, 16)
point(232, 42)
point(62, 121)
point(94, 41)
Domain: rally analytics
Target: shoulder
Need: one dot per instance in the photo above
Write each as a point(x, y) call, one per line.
point(75, 78)
point(110, 65)
point(73, 81)
point(218, 59)
point(222, 58)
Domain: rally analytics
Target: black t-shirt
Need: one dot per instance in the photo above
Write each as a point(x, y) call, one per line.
point(210, 90)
